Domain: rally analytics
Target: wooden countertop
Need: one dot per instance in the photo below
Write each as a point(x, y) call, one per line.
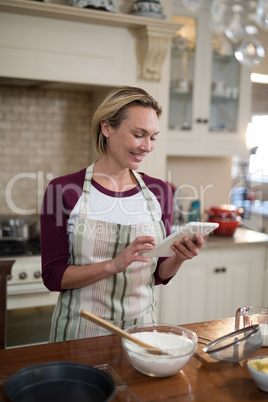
point(202, 379)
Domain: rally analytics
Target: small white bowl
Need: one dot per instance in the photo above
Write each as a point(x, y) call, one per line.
point(260, 378)
point(179, 343)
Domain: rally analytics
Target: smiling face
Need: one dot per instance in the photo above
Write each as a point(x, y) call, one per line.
point(129, 143)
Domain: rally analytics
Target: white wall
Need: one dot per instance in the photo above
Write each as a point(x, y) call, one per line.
point(208, 179)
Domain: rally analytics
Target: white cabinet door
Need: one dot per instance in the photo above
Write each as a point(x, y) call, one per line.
point(213, 285)
point(210, 93)
point(265, 281)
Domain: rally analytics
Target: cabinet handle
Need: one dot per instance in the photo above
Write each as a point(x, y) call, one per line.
point(220, 270)
point(204, 121)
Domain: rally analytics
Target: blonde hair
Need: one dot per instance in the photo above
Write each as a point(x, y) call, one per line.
point(114, 109)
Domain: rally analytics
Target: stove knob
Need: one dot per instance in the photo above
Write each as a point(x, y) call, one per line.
point(37, 274)
point(23, 275)
point(9, 277)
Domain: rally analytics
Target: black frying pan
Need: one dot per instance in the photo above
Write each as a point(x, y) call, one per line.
point(59, 382)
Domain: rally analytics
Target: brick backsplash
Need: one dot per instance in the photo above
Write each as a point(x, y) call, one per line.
point(44, 133)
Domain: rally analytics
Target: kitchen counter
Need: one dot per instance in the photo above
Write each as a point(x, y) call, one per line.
point(202, 379)
point(241, 237)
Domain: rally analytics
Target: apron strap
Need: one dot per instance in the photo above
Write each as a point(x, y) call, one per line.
point(147, 196)
point(86, 191)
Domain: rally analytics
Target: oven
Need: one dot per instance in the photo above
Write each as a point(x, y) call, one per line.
point(29, 303)
point(25, 288)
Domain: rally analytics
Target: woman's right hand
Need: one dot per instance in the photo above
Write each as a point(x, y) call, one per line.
point(133, 252)
point(80, 276)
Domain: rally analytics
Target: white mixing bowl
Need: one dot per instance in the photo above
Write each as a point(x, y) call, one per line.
point(178, 342)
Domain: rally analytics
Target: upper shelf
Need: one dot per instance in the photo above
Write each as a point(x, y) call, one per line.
point(153, 34)
point(65, 12)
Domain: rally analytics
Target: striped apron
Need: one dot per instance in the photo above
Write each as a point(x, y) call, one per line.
point(125, 299)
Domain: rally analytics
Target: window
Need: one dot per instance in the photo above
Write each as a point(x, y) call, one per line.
point(257, 141)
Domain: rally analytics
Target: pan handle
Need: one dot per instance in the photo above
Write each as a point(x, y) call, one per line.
point(204, 341)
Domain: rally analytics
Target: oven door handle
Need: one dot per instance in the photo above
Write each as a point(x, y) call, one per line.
point(26, 292)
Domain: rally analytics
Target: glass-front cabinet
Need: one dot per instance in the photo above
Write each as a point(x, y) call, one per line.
point(182, 79)
point(210, 92)
point(224, 92)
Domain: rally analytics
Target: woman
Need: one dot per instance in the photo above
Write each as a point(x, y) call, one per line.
point(96, 223)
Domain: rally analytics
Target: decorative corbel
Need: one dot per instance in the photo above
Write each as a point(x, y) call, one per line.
point(153, 47)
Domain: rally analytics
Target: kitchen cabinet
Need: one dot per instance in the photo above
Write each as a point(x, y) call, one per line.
point(265, 295)
point(214, 284)
point(210, 92)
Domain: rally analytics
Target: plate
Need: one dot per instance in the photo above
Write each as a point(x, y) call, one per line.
point(148, 14)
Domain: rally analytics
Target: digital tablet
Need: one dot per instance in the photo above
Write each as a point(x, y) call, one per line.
point(163, 249)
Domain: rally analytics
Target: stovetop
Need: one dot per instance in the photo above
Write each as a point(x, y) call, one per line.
point(19, 248)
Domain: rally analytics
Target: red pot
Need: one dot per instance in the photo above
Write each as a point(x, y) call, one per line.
point(227, 216)
point(225, 211)
point(226, 227)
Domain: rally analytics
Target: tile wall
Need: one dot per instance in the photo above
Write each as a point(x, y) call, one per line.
point(44, 133)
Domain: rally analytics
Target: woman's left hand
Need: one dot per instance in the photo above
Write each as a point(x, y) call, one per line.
point(187, 250)
point(182, 252)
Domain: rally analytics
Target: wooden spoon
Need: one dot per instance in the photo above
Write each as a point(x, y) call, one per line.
point(118, 331)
